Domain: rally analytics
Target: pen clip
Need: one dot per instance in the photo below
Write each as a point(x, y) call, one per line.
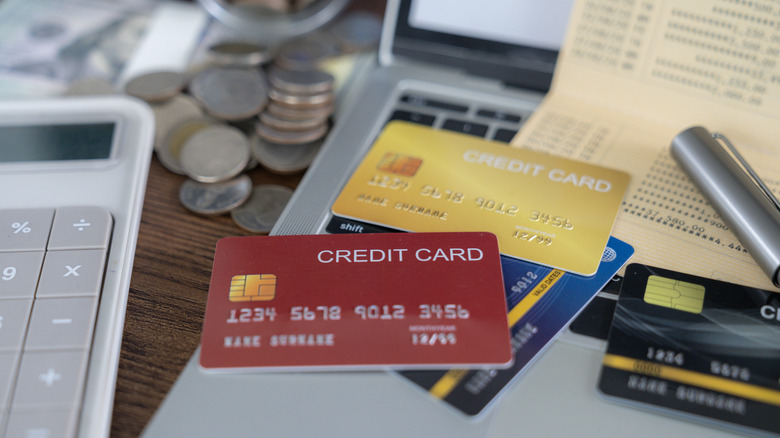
point(726, 144)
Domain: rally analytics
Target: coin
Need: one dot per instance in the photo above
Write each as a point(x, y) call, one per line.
point(92, 86)
point(300, 100)
point(156, 86)
point(215, 198)
point(304, 54)
point(284, 158)
point(357, 31)
point(291, 137)
point(170, 150)
point(290, 113)
point(262, 210)
point(300, 81)
point(238, 54)
point(172, 112)
point(215, 154)
point(230, 94)
point(286, 124)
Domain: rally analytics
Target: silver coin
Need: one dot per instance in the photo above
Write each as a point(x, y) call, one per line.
point(170, 150)
point(215, 154)
point(215, 198)
point(301, 100)
point(291, 137)
point(90, 87)
point(286, 124)
point(230, 93)
point(238, 54)
point(300, 81)
point(290, 113)
point(305, 54)
point(262, 210)
point(172, 112)
point(156, 86)
point(357, 31)
point(284, 158)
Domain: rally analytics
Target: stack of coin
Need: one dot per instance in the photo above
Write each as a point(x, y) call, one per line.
point(248, 105)
point(289, 133)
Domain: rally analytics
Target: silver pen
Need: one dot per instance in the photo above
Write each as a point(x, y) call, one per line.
point(739, 196)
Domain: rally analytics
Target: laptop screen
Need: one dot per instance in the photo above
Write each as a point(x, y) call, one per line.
point(514, 41)
point(519, 22)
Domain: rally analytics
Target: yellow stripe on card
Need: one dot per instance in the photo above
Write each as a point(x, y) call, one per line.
point(447, 383)
point(706, 381)
point(535, 295)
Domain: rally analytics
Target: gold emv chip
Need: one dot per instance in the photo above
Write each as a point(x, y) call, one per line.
point(256, 287)
point(674, 294)
point(399, 164)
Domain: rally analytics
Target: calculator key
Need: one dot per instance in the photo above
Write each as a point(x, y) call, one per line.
point(19, 272)
point(25, 229)
point(14, 315)
point(8, 363)
point(71, 273)
point(504, 135)
point(50, 379)
point(42, 424)
point(61, 323)
point(465, 127)
point(80, 227)
point(410, 116)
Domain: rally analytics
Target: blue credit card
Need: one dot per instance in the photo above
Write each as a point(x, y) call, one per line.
point(541, 302)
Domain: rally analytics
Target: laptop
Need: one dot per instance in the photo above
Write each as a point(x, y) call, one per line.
point(478, 68)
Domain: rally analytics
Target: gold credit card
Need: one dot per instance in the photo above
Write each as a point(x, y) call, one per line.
point(546, 209)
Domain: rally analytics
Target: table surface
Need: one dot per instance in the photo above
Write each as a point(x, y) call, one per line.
point(168, 290)
point(167, 296)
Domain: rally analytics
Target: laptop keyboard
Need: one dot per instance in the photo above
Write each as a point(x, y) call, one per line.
point(467, 118)
point(51, 275)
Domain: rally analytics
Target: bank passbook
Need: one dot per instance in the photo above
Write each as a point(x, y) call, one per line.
point(695, 347)
point(356, 301)
point(545, 209)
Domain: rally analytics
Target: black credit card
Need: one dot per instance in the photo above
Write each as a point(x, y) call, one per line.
point(697, 347)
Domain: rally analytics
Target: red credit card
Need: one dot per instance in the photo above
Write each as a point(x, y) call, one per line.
point(356, 301)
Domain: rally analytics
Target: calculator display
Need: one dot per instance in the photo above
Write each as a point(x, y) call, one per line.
point(63, 142)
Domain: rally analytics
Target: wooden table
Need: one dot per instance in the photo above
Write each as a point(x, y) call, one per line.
point(168, 290)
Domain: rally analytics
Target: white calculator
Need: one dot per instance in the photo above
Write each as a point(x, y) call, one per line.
point(72, 179)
